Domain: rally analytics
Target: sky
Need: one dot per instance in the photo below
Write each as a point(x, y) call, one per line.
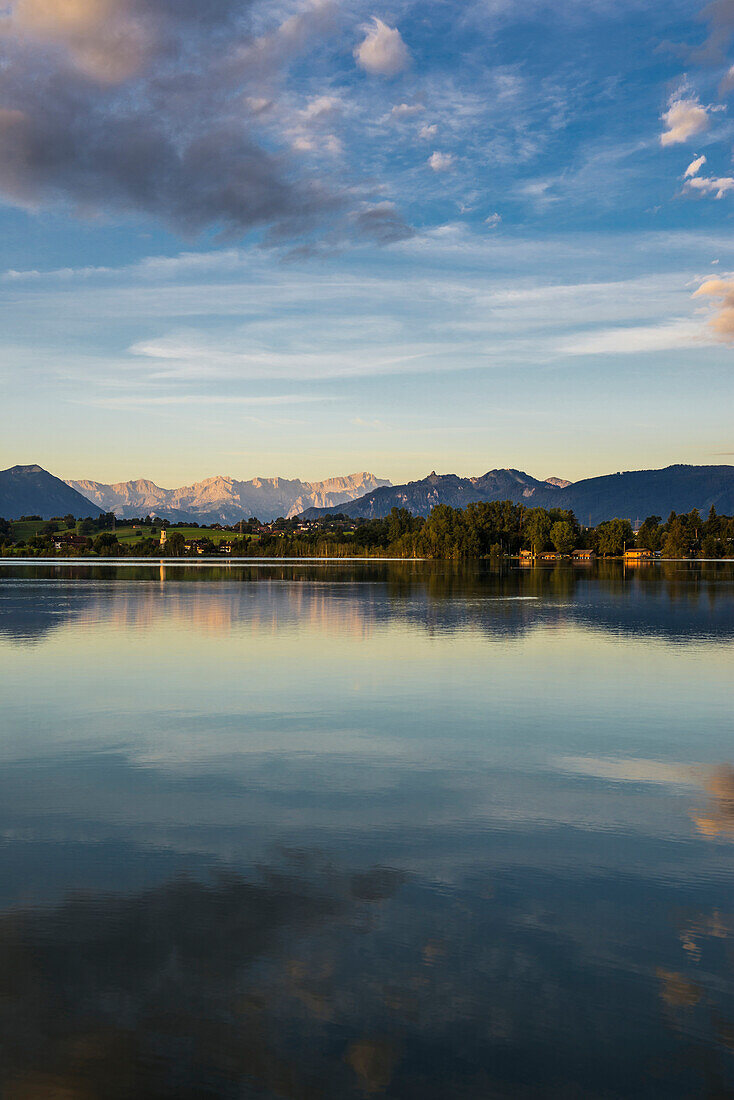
point(308, 237)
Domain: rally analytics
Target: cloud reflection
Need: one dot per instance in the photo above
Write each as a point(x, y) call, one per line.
point(717, 820)
point(184, 990)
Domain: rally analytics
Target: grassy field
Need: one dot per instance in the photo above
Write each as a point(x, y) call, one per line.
point(131, 535)
point(126, 533)
point(26, 528)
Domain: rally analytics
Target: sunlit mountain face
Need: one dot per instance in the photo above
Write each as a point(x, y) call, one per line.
point(226, 500)
point(388, 829)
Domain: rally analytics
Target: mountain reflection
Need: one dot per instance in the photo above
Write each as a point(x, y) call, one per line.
point(672, 599)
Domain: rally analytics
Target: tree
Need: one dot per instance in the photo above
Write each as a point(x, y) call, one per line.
point(677, 542)
point(650, 535)
point(106, 544)
point(176, 544)
point(613, 536)
point(562, 536)
point(537, 529)
point(711, 547)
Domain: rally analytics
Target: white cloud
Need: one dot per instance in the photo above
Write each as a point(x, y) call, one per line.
point(311, 128)
point(683, 119)
point(406, 110)
point(722, 322)
point(493, 220)
point(321, 106)
point(428, 132)
point(694, 167)
point(708, 185)
point(382, 52)
point(441, 162)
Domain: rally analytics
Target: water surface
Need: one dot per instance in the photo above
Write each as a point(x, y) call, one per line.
point(400, 830)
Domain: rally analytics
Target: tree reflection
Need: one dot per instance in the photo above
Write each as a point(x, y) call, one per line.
point(672, 599)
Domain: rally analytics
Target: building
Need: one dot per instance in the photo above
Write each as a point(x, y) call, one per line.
point(526, 556)
point(71, 542)
point(163, 539)
point(196, 546)
point(638, 555)
point(583, 555)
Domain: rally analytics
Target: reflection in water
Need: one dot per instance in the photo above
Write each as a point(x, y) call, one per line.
point(672, 599)
point(386, 830)
point(718, 818)
point(189, 989)
point(697, 1002)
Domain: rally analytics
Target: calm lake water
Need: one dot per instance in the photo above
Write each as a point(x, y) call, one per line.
point(339, 831)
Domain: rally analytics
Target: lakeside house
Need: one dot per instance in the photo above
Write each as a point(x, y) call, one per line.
point(73, 542)
point(583, 555)
point(639, 554)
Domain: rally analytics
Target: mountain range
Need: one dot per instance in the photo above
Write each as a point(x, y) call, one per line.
point(225, 500)
point(32, 491)
point(630, 495)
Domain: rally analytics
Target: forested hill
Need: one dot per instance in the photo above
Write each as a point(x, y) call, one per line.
point(31, 490)
point(629, 495)
point(640, 493)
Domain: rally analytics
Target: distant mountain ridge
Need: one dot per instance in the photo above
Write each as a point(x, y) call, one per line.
point(226, 500)
point(629, 495)
point(33, 491)
point(421, 497)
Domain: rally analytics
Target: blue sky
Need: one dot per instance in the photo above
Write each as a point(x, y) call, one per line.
point(309, 238)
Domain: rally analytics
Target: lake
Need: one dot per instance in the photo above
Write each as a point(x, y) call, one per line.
point(404, 830)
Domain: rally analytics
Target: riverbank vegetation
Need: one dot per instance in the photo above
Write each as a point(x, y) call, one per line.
point(498, 529)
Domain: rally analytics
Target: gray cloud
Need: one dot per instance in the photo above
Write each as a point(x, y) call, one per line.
point(719, 16)
point(155, 108)
point(383, 223)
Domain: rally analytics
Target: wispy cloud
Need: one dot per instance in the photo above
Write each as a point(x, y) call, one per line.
point(669, 336)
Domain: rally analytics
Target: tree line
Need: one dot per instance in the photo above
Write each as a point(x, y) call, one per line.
point(497, 529)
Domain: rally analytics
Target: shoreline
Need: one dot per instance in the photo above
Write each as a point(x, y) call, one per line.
point(209, 561)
